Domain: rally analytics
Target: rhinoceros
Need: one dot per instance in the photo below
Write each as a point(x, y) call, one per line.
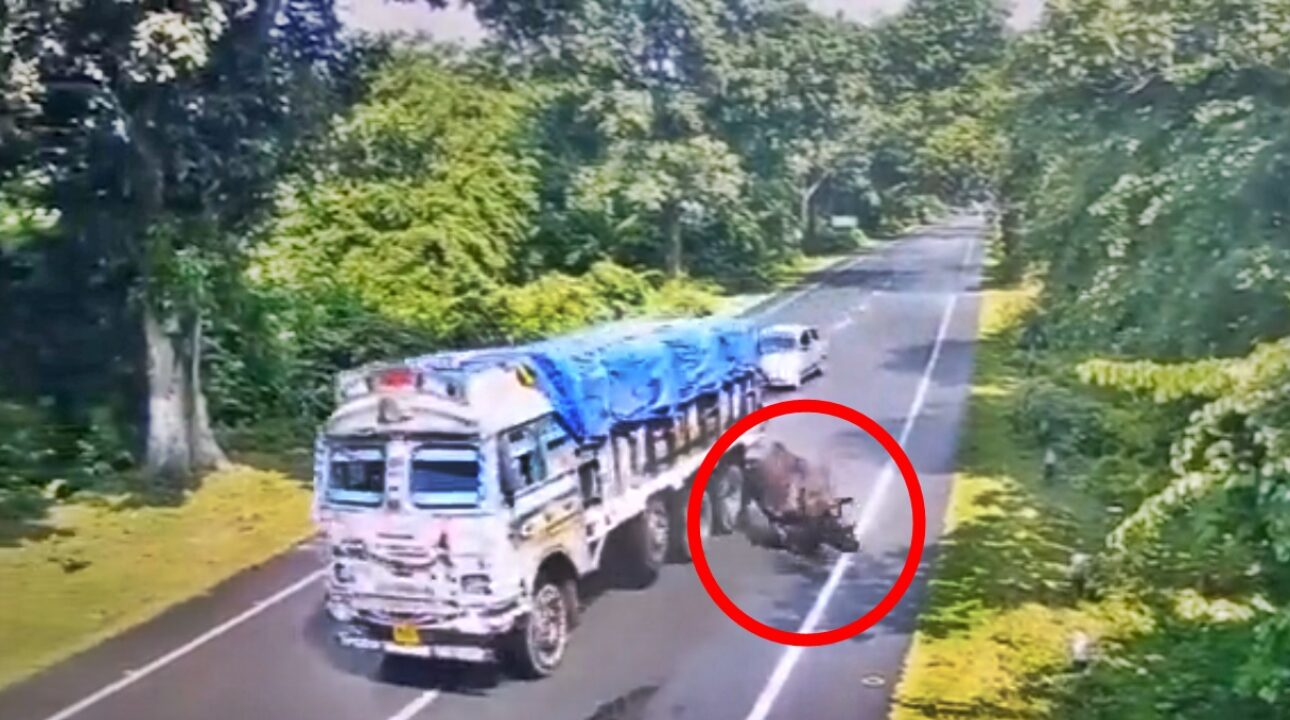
point(792, 502)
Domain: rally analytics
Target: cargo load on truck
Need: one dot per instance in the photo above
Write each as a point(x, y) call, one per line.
point(622, 373)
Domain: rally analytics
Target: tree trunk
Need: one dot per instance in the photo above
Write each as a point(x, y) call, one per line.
point(810, 225)
point(807, 211)
point(206, 452)
point(675, 248)
point(180, 441)
point(169, 453)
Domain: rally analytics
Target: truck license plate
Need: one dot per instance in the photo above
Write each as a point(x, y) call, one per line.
point(406, 635)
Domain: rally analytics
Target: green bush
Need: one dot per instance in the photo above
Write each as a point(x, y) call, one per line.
point(1059, 417)
point(684, 298)
point(274, 355)
point(44, 460)
point(838, 240)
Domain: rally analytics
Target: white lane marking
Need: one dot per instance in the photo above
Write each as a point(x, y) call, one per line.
point(421, 703)
point(851, 318)
point(784, 668)
point(133, 676)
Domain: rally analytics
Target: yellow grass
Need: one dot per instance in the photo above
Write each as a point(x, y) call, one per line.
point(91, 570)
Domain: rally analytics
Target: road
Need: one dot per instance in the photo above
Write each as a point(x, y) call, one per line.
point(901, 323)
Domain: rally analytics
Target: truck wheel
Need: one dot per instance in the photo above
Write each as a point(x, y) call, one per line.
point(727, 493)
point(680, 538)
point(645, 542)
point(536, 647)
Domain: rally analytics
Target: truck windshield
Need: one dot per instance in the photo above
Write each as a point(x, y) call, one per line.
point(356, 476)
point(777, 343)
point(446, 477)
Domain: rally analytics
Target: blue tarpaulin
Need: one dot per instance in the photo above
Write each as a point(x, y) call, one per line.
point(626, 372)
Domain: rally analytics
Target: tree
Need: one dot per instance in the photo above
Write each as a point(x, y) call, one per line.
point(805, 79)
point(425, 201)
point(937, 78)
point(639, 73)
point(936, 44)
point(797, 103)
point(680, 186)
point(1147, 167)
point(160, 132)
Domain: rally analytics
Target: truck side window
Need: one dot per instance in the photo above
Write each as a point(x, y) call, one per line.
point(527, 455)
point(530, 468)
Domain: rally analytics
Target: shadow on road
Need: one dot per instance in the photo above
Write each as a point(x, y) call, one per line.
point(871, 278)
point(913, 359)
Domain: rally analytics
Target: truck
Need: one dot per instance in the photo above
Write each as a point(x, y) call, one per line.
point(464, 496)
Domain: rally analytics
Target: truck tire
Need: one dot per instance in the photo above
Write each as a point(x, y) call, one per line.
point(727, 492)
point(680, 536)
point(536, 647)
point(645, 542)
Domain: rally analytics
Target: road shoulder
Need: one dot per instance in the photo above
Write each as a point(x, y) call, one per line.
point(1000, 615)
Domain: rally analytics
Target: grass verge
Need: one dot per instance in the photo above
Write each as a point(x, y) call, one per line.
point(94, 569)
point(736, 303)
point(995, 634)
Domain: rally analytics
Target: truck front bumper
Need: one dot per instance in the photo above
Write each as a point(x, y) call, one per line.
point(466, 634)
point(358, 639)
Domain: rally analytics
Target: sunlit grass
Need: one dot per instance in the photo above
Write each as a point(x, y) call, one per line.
point(1000, 616)
point(93, 569)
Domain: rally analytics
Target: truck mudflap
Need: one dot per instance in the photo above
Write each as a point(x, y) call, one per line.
point(357, 639)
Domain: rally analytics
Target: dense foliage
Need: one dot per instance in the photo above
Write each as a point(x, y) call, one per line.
point(206, 211)
point(1146, 182)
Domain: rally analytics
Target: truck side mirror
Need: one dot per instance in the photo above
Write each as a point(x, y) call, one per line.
point(508, 474)
point(511, 483)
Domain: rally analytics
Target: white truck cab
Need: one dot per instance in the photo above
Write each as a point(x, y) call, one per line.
point(460, 511)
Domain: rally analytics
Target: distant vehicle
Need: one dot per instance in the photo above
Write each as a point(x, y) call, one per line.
point(463, 496)
point(789, 354)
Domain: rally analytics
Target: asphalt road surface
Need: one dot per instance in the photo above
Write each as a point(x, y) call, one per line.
point(901, 324)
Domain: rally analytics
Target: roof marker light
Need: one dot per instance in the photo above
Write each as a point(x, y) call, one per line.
point(397, 378)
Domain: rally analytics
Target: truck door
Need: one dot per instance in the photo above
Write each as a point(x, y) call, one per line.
point(546, 497)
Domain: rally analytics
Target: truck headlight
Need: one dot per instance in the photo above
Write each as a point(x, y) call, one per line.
point(476, 585)
point(340, 610)
point(350, 548)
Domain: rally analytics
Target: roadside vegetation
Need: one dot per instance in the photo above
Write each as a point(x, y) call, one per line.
point(94, 567)
point(208, 209)
point(1147, 573)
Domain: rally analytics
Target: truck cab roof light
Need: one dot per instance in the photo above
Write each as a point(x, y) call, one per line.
point(397, 379)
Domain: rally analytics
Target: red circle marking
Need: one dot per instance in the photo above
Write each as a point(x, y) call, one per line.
point(898, 589)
